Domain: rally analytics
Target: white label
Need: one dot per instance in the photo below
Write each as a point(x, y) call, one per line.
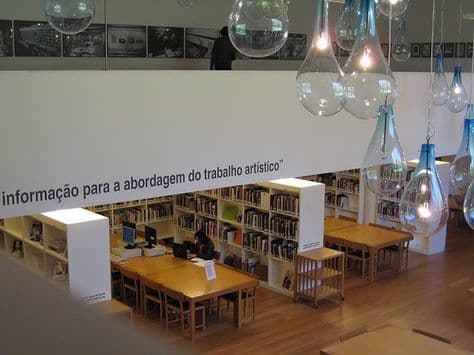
point(210, 270)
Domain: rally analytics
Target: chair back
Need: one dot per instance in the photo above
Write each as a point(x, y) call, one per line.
point(173, 295)
point(149, 284)
point(129, 277)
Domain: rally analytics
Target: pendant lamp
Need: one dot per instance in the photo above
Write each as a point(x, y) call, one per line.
point(440, 84)
point(346, 26)
point(69, 16)
point(368, 80)
point(401, 48)
point(457, 96)
point(469, 205)
point(318, 84)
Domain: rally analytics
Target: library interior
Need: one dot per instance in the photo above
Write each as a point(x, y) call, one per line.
point(245, 176)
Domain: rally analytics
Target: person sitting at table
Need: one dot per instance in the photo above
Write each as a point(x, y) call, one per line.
point(204, 247)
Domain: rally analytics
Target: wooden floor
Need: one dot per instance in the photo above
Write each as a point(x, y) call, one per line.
point(436, 294)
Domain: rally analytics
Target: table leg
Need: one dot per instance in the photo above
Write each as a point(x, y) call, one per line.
point(238, 310)
point(400, 256)
point(192, 318)
point(373, 264)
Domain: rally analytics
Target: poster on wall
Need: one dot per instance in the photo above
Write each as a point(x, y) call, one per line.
point(36, 39)
point(294, 47)
point(126, 41)
point(88, 43)
point(165, 42)
point(199, 42)
point(6, 38)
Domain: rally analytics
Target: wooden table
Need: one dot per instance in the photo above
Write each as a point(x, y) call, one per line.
point(331, 224)
point(116, 309)
point(189, 279)
point(371, 237)
point(390, 340)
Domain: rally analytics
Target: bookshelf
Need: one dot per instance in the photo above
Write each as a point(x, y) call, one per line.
point(69, 248)
point(344, 195)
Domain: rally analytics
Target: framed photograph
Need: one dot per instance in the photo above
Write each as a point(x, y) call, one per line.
point(385, 49)
point(126, 41)
point(460, 50)
point(415, 50)
point(449, 50)
point(426, 50)
point(6, 38)
point(36, 39)
point(294, 47)
point(469, 50)
point(88, 43)
point(199, 42)
point(165, 42)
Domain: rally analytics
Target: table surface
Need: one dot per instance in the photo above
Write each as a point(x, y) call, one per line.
point(145, 266)
point(111, 307)
point(332, 224)
point(321, 254)
point(390, 340)
point(371, 236)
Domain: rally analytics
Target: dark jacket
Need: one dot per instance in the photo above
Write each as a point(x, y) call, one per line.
point(207, 251)
point(223, 53)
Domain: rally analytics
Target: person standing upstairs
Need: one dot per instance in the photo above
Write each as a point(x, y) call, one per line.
point(223, 52)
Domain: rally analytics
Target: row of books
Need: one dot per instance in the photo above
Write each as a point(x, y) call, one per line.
point(185, 221)
point(135, 215)
point(284, 226)
point(186, 201)
point(232, 193)
point(231, 234)
point(257, 219)
point(258, 196)
point(212, 192)
point(284, 249)
point(330, 198)
point(327, 179)
point(160, 211)
point(342, 201)
point(250, 265)
point(389, 209)
point(348, 184)
point(285, 203)
point(351, 172)
point(208, 226)
point(206, 205)
point(256, 241)
point(129, 203)
point(288, 280)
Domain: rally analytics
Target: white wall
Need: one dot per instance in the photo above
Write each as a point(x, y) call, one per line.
point(90, 127)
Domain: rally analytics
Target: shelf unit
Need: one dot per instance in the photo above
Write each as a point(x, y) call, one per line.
point(69, 248)
point(344, 195)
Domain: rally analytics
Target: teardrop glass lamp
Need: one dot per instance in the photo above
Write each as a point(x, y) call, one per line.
point(384, 169)
point(368, 80)
point(318, 84)
point(461, 171)
point(346, 26)
point(469, 206)
point(399, 7)
point(258, 28)
point(440, 84)
point(401, 48)
point(69, 16)
point(423, 206)
point(457, 96)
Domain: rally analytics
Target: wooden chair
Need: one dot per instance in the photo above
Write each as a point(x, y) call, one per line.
point(248, 295)
point(116, 283)
point(176, 304)
point(394, 249)
point(151, 293)
point(131, 283)
point(353, 334)
point(358, 255)
point(431, 335)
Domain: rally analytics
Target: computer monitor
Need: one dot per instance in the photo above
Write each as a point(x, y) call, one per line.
point(128, 234)
point(179, 251)
point(150, 236)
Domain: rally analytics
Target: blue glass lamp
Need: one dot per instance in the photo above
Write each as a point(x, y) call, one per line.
point(461, 171)
point(469, 205)
point(384, 168)
point(457, 96)
point(423, 206)
point(440, 84)
point(368, 80)
point(399, 7)
point(346, 26)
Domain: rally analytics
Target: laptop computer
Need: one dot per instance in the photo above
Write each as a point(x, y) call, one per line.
point(180, 251)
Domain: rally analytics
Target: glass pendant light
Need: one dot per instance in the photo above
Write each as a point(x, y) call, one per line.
point(469, 205)
point(318, 84)
point(399, 7)
point(401, 48)
point(423, 206)
point(461, 171)
point(258, 28)
point(440, 84)
point(69, 16)
point(368, 80)
point(186, 3)
point(457, 96)
point(384, 168)
point(346, 26)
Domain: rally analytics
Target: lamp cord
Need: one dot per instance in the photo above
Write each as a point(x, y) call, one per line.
point(472, 66)
point(106, 63)
point(459, 31)
point(441, 44)
point(390, 36)
point(430, 131)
